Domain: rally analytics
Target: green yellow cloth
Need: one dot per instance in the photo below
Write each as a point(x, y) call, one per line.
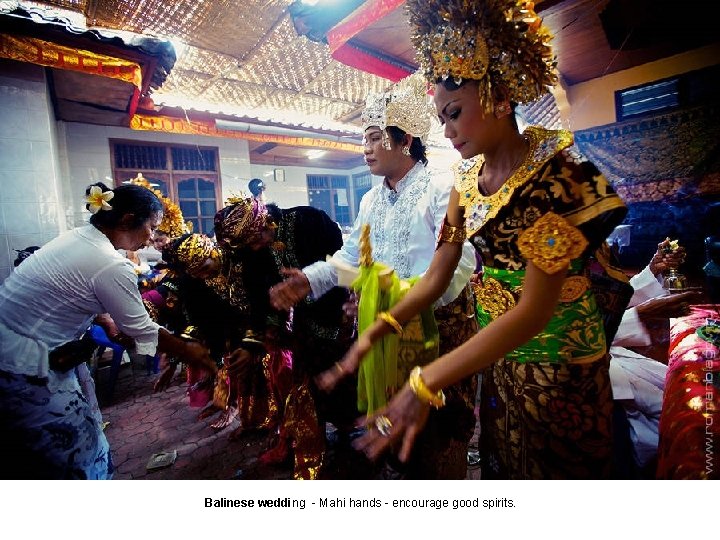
point(381, 372)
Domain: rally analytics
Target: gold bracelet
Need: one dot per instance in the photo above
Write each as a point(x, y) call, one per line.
point(450, 234)
point(386, 317)
point(422, 392)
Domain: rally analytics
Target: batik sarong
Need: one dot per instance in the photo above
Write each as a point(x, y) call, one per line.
point(50, 434)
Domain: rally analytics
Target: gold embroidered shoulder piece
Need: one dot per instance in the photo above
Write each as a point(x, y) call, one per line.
point(551, 243)
point(466, 173)
point(544, 145)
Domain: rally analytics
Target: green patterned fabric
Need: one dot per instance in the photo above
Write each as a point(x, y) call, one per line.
point(575, 331)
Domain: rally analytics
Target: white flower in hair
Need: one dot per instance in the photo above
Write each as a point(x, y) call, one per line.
point(98, 200)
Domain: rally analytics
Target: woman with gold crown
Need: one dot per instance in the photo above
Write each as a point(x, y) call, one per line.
point(172, 226)
point(535, 210)
point(404, 215)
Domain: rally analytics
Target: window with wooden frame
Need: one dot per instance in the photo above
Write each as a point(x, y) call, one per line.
point(188, 175)
point(689, 89)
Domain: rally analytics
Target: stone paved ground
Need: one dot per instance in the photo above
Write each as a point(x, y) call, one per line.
point(142, 423)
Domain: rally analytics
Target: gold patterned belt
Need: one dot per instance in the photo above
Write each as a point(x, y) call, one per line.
point(496, 299)
point(574, 332)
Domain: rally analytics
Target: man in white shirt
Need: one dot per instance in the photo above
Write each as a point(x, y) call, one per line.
point(638, 382)
point(405, 213)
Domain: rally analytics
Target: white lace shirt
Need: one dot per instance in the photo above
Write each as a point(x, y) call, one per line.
point(404, 229)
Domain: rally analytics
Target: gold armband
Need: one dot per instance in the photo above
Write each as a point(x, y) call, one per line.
point(551, 243)
point(422, 392)
point(450, 234)
point(390, 320)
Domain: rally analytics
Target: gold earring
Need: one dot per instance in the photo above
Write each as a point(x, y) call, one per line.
point(502, 109)
point(406, 150)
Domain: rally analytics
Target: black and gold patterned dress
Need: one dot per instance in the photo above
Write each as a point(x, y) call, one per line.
point(321, 336)
point(546, 407)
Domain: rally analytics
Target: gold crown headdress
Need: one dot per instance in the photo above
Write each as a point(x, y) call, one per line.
point(501, 43)
point(405, 105)
point(191, 251)
point(173, 223)
point(241, 222)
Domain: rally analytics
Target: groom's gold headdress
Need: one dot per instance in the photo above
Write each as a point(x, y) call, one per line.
point(405, 105)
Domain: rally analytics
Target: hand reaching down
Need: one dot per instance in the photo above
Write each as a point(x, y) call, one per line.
point(195, 353)
point(163, 381)
point(347, 366)
point(400, 422)
point(285, 295)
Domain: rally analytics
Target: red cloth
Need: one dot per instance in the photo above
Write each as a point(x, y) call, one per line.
point(684, 327)
point(690, 419)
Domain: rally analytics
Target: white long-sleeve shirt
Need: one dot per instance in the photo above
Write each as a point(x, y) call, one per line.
point(638, 381)
point(404, 228)
point(52, 297)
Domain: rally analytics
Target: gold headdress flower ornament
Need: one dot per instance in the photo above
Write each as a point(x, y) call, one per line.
point(173, 224)
point(191, 251)
point(500, 43)
point(241, 222)
point(97, 199)
point(405, 105)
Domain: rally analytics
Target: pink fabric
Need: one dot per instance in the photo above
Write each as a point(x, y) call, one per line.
point(154, 297)
point(280, 374)
point(199, 397)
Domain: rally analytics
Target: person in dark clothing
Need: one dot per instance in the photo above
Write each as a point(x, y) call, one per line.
point(280, 240)
point(220, 310)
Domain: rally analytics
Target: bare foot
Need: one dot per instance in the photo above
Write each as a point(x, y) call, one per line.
point(225, 419)
point(208, 411)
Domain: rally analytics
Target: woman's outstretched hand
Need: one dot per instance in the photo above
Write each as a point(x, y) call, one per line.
point(347, 366)
point(400, 422)
point(196, 353)
point(165, 378)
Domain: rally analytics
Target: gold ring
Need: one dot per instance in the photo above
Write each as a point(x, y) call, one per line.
point(339, 368)
point(383, 425)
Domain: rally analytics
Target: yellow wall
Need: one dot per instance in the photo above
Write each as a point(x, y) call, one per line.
point(592, 103)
